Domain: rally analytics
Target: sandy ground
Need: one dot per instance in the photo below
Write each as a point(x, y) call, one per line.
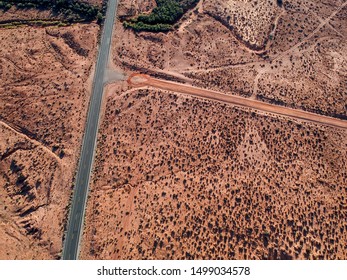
point(140, 80)
point(179, 176)
point(45, 83)
point(183, 178)
point(293, 56)
point(29, 14)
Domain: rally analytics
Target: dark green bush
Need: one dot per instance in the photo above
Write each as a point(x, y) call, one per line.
point(72, 10)
point(162, 17)
point(140, 26)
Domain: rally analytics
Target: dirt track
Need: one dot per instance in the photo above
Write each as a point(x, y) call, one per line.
point(140, 80)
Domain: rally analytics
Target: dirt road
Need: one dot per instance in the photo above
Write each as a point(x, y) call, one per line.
point(141, 80)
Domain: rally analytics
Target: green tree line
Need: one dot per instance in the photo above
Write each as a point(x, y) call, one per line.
point(163, 16)
point(71, 10)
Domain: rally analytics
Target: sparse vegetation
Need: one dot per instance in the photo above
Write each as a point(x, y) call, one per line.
point(182, 178)
point(42, 23)
point(41, 128)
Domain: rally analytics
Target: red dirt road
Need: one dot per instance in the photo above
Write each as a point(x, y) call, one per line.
point(140, 80)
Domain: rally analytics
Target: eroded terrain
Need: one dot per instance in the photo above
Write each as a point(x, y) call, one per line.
point(45, 84)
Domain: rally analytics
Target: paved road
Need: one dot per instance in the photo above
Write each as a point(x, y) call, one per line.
point(79, 199)
point(138, 80)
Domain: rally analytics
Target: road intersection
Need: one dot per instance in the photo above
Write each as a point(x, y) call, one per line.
point(81, 188)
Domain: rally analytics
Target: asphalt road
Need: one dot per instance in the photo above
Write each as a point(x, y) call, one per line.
point(79, 199)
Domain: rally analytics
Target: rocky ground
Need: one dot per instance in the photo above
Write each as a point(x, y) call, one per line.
point(45, 84)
